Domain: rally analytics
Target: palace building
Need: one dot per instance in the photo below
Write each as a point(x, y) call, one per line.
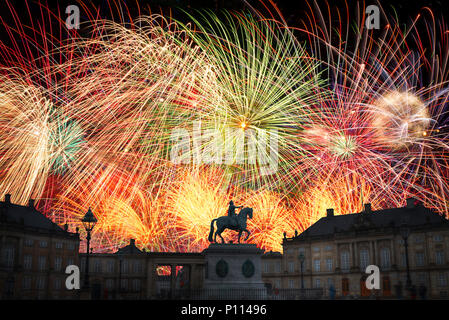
point(34, 254)
point(336, 250)
point(410, 245)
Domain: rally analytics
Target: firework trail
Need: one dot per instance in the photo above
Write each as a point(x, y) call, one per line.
point(387, 117)
point(357, 116)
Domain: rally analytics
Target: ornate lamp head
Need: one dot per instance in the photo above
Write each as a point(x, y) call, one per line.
point(89, 220)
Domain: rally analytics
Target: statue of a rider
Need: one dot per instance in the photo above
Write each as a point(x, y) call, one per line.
point(231, 211)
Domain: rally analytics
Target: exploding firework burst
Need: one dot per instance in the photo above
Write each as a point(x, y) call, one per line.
point(92, 121)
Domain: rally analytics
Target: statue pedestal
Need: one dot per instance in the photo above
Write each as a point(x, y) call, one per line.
point(233, 270)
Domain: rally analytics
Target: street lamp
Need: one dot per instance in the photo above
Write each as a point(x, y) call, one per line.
point(405, 232)
point(301, 260)
point(89, 222)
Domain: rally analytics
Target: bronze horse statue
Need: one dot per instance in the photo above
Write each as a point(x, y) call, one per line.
point(236, 223)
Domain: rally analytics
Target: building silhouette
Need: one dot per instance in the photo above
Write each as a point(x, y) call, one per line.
point(34, 254)
point(333, 252)
point(338, 248)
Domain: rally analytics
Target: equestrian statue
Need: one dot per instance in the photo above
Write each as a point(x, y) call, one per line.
point(232, 221)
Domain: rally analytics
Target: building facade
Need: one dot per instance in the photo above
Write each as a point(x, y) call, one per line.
point(34, 253)
point(132, 274)
point(337, 249)
point(332, 253)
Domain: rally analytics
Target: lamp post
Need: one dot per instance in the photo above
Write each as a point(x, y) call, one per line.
point(89, 222)
point(405, 232)
point(301, 260)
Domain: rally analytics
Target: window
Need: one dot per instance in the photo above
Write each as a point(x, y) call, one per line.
point(328, 248)
point(385, 261)
point(28, 262)
point(70, 261)
point(97, 266)
point(316, 249)
point(422, 278)
point(317, 283)
point(345, 286)
point(58, 245)
point(386, 286)
point(278, 267)
point(8, 256)
point(124, 284)
point(41, 263)
point(344, 257)
point(329, 264)
point(137, 267)
point(125, 266)
point(419, 259)
point(266, 268)
point(364, 259)
point(110, 266)
point(58, 263)
point(439, 257)
point(316, 265)
point(26, 283)
point(330, 282)
point(442, 280)
point(136, 284)
point(291, 266)
point(43, 244)
point(71, 246)
point(41, 283)
point(277, 283)
point(291, 284)
point(110, 284)
point(364, 291)
point(29, 242)
point(301, 250)
point(437, 238)
point(57, 284)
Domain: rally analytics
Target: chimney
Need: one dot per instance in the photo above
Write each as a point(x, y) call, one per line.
point(330, 212)
point(31, 203)
point(132, 242)
point(7, 198)
point(410, 203)
point(66, 227)
point(367, 208)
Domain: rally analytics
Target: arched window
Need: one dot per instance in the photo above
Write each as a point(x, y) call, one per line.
point(344, 260)
point(385, 261)
point(364, 259)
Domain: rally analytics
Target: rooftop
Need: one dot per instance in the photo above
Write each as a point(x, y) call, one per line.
point(27, 217)
point(414, 215)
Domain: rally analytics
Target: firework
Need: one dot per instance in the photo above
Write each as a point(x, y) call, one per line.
point(260, 87)
point(388, 110)
point(353, 116)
